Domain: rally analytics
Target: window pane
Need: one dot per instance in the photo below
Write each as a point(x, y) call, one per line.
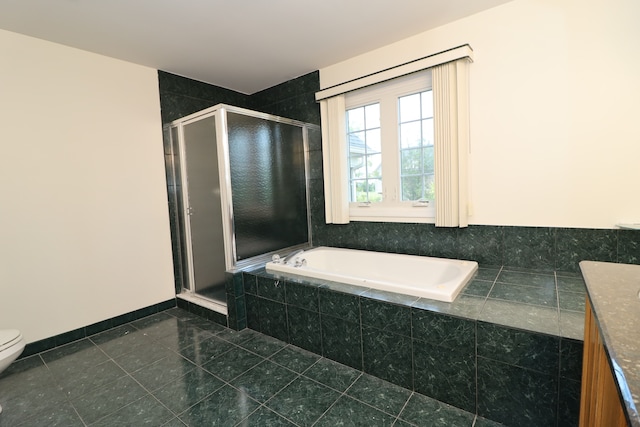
point(427, 104)
point(411, 187)
point(374, 144)
point(410, 108)
point(427, 132)
point(375, 190)
point(429, 187)
point(357, 167)
point(358, 190)
point(427, 160)
point(356, 143)
point(410, 135)
point(411, 162)
point(374, 166)
point(372, 116)
point(355, 119)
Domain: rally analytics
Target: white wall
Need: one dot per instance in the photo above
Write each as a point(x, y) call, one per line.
point(555, 89)
point(84, 229)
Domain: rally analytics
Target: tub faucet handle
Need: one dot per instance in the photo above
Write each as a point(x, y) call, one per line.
point(276, 259)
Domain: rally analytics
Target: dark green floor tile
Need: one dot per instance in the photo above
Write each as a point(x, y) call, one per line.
point(143, 412)
point(237, 337)
point(232, 364)
point(264, 380)
point(34, 402)
point(295, 358)
point(183, 392)
point(424, 411)
point(342, 341)
point(141, 357)
point(152, 320)
point(108, 399)
point(304, 329)
point(225, 407)
point(186, 337)
point(60, 414)
point(263, 345)
point(67, 359)
point(174, 423)
point(348, 412)
point(303, 401)
point(264, 417)
point(121, 340)
point(332, 374)
point(206, 325)
point(164, 370)
point(207, 350)
point(83, 381)
point(24, 376)
point(383, 395)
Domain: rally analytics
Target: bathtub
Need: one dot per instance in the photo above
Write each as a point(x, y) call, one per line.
point(425, 277)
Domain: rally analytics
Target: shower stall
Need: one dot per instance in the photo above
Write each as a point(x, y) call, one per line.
point(237, 183)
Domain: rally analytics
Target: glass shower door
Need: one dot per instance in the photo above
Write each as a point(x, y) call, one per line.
point(203, 209)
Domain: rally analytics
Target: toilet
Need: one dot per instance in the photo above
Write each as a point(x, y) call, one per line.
point(11, 346)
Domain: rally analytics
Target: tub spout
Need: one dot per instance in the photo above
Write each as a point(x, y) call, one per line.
point(292, 255)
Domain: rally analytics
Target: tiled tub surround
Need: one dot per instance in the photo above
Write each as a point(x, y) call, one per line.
point(176, 369)
point(509, 348)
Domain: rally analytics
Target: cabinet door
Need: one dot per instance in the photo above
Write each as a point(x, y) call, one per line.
point(600, 403)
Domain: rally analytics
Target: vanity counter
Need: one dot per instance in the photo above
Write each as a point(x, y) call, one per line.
point(613, 292)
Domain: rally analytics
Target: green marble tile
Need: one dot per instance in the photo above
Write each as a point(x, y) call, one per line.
point(264, 380)
point(273, 319)
point(487, 274)
point(264, 417)
point(577, 244)
point(571, 358)
point(237, 337)
point(164, 370)
point(523, 316)
point(387, 356)
point(340, 305)
point(483, 422)
point(303, 401)
point(206, 325)
point(481, 243)
point(40, 403)
point(529, 247)
point(466, 306)
point(479, 288)
point(442, 329)
point(571, 301)
point(569, 403)
point(121, 340)
point(571, 284)
point(145, 411)
point(55, 414)
point(88, 379)
point(142, 357)
point(527, 279)
point(572, 325)
point(67, 359)
point(108, 399)
point(342, 341)
point(542, 296)
point(305, 329)
point(390, 297)
point(207, 350)
point(181, 393)
point(424, 411)
point(348, 412)
point(232, 364)
point(225, 407)
point(386, 316)
point(272, 289)
point(380, 394)
point(263, 345)
point(332, 374)
point(295, 358)
point(302, 296)
point(188, 335)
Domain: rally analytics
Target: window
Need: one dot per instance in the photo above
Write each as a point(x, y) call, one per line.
point(396, 143)
point(389, 134)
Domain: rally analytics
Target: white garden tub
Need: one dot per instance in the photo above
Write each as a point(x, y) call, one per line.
point(426, 277)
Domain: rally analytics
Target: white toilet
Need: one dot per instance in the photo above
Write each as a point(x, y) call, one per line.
point(11, 346)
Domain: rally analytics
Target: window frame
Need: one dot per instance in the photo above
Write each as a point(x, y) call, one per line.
point(392, 208)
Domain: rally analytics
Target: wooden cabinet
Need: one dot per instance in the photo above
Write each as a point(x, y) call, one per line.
point(600, 403)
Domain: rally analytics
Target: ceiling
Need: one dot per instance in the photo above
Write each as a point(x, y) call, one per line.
point(244, 45)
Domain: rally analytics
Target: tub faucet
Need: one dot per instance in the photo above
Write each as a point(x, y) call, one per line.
point(292, 255)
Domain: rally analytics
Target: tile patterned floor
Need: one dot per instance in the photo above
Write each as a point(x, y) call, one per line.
point(175, 369)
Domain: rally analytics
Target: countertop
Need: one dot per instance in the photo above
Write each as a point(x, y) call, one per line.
point(613, 290)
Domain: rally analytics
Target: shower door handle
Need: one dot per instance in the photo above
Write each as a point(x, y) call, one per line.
point(189, 211)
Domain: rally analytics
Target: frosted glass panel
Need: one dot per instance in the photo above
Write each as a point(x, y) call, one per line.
point(205, 210)
point(268, 185)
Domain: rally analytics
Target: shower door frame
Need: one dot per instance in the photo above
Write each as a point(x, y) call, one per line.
point(219, 112)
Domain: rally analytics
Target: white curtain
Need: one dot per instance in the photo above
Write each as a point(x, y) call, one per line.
point(335, 157)
point(451, 145)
